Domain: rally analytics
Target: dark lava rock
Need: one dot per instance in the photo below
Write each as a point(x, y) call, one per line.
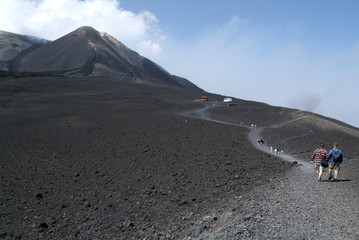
point(39, 195)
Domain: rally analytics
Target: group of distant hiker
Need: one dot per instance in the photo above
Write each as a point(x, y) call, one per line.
point(276, 151)
point(260, 142)
point(323, 159)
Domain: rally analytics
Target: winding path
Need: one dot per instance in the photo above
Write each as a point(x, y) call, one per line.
point(253, 134)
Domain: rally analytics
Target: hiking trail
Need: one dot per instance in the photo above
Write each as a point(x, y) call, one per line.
point(253, 134)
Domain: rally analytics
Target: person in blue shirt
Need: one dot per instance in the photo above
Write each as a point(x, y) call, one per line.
point(335, 159)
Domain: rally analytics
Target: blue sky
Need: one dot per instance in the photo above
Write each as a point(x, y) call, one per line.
point(321, 18)
point(301, 54)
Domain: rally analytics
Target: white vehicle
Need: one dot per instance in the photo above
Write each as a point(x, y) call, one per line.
point(227, 99)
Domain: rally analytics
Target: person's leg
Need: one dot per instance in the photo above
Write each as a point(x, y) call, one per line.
point(336, 170)
point(316, 168)
point(331, 166)
point(320, 172)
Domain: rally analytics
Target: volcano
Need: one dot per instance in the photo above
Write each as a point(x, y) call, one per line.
point(87, 52)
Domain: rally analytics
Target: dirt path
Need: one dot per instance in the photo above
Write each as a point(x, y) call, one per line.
point(253, 135)
point(290, 206)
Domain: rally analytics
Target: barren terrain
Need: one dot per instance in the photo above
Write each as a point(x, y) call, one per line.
point(95, 158)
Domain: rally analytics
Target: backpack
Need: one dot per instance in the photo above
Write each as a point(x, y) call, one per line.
point(324, 162)
point(337, 157)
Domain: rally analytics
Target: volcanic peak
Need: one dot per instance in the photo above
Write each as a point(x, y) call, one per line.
point(107, 36)
point(85, 51)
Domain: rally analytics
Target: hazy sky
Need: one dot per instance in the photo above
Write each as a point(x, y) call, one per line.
point(301, 54)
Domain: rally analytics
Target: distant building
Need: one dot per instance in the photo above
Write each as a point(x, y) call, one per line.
point(203, 99)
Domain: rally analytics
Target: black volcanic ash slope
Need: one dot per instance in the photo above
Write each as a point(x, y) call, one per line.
point(14, 46)
point(86, 51)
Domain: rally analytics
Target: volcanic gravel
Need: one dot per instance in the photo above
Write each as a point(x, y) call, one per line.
point(94, 158)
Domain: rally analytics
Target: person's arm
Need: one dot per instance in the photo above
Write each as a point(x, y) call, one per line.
point(313, 156)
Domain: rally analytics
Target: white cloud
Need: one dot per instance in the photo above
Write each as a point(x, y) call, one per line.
point(51, 19)
point(149, 49)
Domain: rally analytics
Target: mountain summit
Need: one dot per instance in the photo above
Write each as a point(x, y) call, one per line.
point(86, 51)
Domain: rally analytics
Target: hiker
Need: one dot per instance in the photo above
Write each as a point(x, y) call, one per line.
point(260, 141)
point(317, 156)
point(336, 158)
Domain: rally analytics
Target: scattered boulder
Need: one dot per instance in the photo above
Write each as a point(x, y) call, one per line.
point(206, 218)
point(222, 220)
point(39, 195)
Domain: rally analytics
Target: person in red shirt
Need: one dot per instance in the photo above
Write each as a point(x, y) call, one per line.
point(317, 156)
